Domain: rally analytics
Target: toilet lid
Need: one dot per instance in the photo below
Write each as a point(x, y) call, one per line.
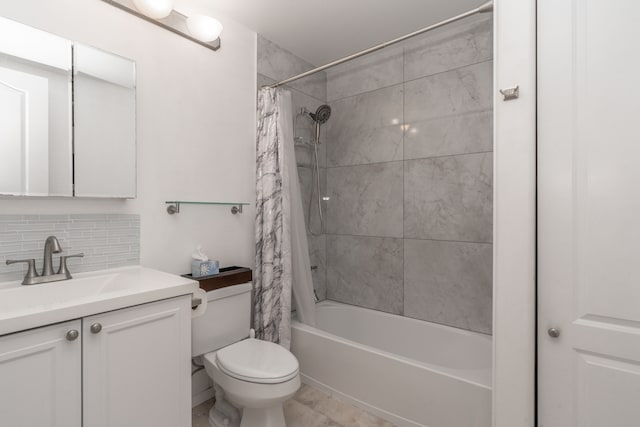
point(257, 361)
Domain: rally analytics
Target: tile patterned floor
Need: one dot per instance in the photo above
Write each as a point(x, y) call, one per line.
point(310, 408)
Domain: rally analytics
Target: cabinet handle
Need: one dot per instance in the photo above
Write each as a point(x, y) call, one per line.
point(96, 328)
point(72, 335)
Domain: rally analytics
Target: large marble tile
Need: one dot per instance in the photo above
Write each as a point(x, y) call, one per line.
point(449, 198)
point(347, 415)
point(365, 271)
point(318, 257)
point(304, 130)
point(309, 193)
point(370, 72)
point(366, 128)
point(279, 64)
point(451, 93)
point(264, 81)
point(200, 414)
point(309, 407)
point(298, 415)
point(342, 413)
point(310, 396)
point(449, 283)
point(305, 150)
point(365, 200)
point(304, 154)
point(443, 136)
point(450, 47)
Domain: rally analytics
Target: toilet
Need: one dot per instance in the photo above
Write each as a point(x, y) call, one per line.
point(252, 378)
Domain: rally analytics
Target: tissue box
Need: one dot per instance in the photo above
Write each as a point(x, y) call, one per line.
point(204, 268)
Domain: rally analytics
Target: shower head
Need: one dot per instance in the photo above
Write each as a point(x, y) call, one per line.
point(322, 114)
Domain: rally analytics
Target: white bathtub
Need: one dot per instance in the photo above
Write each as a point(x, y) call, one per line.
point(410, 372)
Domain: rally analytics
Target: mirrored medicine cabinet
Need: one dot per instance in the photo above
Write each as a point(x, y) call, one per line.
point(67, 117)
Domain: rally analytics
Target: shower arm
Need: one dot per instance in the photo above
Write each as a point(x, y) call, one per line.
point(485, 8)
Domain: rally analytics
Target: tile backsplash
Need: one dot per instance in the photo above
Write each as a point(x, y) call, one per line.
point(107, 241)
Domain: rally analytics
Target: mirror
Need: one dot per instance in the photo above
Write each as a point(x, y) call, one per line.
point(35, 112)
point(67, 117)
point(104, 124)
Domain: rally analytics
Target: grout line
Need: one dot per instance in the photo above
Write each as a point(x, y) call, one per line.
point(409, 238)
point(365, 164)
point(409, 81)
point(404, 140)
point(409, 160)
point(484, 61)
point(472, 112)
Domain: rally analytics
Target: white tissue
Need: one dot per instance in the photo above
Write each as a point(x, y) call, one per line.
point(199, 310)
point(199, 255)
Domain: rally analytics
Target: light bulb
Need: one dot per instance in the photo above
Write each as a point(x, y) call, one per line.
point(204, 28)
point(156, 9)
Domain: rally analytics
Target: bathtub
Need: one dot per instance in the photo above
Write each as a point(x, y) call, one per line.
point(410, 372)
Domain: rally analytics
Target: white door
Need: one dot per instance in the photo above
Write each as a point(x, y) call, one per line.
point(24, 132)
point(137, 366)
point(40, 377)
point(589, 213)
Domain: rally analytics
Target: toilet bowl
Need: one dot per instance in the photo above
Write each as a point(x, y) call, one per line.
point(252, 378)
point(257, 376)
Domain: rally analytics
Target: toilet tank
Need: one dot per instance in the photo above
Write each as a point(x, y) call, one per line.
point(226, 320)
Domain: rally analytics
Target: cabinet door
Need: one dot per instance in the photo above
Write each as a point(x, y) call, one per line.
point(40, 377)
point(137, 366)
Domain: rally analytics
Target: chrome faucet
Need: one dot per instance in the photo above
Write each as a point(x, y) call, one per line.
point(51, 246)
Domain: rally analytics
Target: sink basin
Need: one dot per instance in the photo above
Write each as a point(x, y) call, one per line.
point(28, 306)
point(21, 297)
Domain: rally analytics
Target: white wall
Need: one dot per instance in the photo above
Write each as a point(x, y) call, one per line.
point(196, 130)
point(514, 239)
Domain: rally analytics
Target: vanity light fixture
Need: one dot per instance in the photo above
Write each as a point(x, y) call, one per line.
point(204, 28)
point(156, 9)
point(201, 29)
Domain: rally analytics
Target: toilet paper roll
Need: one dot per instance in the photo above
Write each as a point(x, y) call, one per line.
point(200, 309)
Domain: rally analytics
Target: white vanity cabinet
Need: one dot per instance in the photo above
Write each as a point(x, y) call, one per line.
point(125, 368)
point(137, 368)
point(41, 377)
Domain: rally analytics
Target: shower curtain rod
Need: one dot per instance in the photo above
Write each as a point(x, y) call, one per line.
point(485, 8)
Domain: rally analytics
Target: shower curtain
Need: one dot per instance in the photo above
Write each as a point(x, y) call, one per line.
point(282, 261)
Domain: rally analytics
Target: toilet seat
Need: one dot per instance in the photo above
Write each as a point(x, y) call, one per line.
point(257, 361)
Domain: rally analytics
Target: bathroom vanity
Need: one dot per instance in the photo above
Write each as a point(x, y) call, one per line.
point(106, 349)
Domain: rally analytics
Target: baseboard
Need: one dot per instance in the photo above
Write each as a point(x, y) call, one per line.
point(201, 397)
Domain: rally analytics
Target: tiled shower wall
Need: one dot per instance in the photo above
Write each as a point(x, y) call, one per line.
point(274, 64)
point(406, 160)
point(107, 241)
point(409, 176)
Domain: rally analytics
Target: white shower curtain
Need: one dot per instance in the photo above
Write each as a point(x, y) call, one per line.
point(282, 252)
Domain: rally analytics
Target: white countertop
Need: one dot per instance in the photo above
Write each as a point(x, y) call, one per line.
point(30, 306)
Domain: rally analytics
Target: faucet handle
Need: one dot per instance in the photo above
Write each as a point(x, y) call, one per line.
point(31, 272)
point(63, 264)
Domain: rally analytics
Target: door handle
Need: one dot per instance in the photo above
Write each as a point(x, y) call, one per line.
point(95, 328)
point(553, 332)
